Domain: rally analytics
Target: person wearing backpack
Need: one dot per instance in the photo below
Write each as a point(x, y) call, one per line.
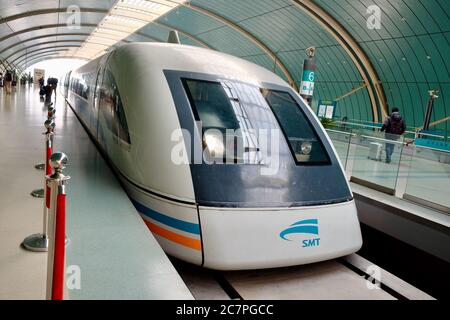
point(48, 89)
point(394, 126)
point(8, 81)
point(54, 83)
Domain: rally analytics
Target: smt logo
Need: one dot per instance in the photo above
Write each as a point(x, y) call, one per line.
point(310, 227)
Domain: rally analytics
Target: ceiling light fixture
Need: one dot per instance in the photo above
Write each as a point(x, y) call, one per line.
point(125, 18)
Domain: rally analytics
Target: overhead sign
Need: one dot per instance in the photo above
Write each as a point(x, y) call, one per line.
point(307, 85)
point(38, 73)
point(308, 77)
point(326, 109)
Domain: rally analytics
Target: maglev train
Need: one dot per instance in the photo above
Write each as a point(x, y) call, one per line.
point(227, 165)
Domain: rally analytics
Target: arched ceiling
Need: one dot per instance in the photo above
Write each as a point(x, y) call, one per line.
point(398, 62)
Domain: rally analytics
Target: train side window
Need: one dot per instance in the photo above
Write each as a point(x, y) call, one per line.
point(105, 106)
point(302, 138)
point(85, 86)
point(77, 87)
point(111, 107)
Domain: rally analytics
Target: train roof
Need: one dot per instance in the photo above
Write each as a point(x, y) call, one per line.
point(167, 56)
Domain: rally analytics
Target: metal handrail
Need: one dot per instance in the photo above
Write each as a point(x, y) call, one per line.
point(404, 143)
point(385, 140)
point(342, 132)
point(378, 128)
point(357, 124)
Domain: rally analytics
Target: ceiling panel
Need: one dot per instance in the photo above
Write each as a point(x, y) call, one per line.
point(409, 52)
point(10, 8)
point(32, 21)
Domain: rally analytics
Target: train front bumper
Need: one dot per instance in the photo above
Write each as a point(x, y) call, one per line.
point(243, 239)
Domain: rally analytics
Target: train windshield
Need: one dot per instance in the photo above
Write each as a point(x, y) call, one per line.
point(233, 116)
point(303, 141)
point(228, 133)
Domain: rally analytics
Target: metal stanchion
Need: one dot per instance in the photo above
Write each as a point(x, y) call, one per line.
point(40, 166)
point(50, 116)
point(39, 242)
point(51, 113)
point(57, 228)
point(50, 125)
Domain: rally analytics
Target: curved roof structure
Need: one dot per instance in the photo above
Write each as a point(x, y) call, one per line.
point(371, 54)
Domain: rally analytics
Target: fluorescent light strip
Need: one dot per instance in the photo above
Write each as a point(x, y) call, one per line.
point(124, 19)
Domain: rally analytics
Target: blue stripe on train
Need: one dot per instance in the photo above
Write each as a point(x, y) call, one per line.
point(169, 221)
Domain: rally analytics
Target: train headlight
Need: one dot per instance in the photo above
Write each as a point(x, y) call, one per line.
point(306, 148)
point(214, 142)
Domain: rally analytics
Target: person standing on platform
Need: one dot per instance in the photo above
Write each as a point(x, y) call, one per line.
point(8, 81)
point(54, 84)
point(41, 87)
point(48, 89)
point(394, 126)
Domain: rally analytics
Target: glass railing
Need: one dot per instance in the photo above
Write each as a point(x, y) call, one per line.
point(410, 133)
point(341, 141)
point(394, 165)
point(429, 178)
point(376, 159)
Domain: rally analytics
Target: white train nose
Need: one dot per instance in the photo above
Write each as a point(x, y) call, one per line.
point(257, 239)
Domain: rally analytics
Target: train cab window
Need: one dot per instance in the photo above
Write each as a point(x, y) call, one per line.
point(300, 134)
point(111, 107)
point(211, 105)
point(225, 130)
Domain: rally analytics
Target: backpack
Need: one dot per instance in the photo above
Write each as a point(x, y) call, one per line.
point(396, 125)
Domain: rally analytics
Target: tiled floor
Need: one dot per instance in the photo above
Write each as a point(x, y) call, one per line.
point(117, 255)
point(22, 274)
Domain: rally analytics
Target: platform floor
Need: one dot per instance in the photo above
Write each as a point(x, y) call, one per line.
point(117, 255)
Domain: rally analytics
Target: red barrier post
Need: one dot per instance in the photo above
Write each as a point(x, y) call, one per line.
point(39, 242)
point(60, 248)
point(57, 228)
point(48, 169)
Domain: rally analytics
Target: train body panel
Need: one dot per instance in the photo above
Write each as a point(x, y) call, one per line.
point(136, 100)
point(150, 108)
point(269, 238)
point(175, 225)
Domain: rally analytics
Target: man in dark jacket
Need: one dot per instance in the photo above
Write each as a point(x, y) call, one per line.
point(54, 83)
point(394, 126)
point(8, 81)
point(48, 89)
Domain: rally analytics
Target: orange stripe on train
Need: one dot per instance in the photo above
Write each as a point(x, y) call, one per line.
point(174, 237)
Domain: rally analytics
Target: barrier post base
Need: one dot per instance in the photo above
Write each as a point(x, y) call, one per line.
point(40, 166)
point(36, 243)
point(40, 193)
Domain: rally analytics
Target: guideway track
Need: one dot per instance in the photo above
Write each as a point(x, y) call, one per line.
point(348, 278)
